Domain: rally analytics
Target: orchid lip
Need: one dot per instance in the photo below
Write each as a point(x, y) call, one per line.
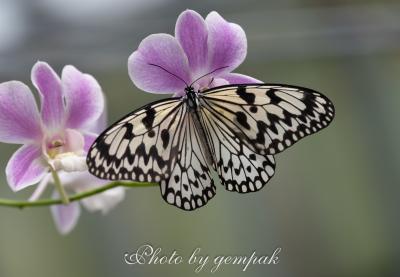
point(54, 147)
point(63, 152)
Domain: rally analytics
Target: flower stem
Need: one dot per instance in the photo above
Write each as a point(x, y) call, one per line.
point(76, 197)
point(59, 186)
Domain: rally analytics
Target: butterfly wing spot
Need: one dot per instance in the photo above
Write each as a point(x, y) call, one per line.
point(148, 120)
point(247, 96)
point(242, 119)
point(253, 109)
point(165, 138)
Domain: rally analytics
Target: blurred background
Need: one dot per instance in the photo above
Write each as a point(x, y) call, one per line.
point(333, 205)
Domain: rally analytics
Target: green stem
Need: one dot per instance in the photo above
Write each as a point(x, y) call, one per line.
point(59, 186)
point(76, 197)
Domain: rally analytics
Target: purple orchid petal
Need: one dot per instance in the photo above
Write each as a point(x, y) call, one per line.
point(65, 216)
point(89, 139)
point(236, 78)
point(219, 82)
point(83, 97)
point(74, 141)
point(49, 86)
point(92, 130)
point(191, 32)
point(164, 51)
point(227, 43)
point(100, 124)
point(26, 167)
point(207, 83)
point(19, 115)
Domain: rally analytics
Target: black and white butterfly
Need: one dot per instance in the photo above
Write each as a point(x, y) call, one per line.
point(235, 130)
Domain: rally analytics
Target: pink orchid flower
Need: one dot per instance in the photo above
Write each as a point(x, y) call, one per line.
point(163, 63)
point(55, 139)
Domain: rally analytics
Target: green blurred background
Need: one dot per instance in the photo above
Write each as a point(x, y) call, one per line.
point(333, 203)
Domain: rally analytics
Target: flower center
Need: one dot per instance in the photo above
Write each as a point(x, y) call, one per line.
point(65, 151)
point(54, 147)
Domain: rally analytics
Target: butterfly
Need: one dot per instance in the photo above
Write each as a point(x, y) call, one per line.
point(234, 130)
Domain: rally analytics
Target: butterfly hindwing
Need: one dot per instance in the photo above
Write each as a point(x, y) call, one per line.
point(269, 118)
point(190, 185)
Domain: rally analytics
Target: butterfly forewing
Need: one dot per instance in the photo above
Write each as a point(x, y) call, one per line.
point(269, 118)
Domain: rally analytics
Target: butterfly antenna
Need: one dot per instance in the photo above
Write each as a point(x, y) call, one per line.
point(176, 76)
point(212, 80)
point(219, 68)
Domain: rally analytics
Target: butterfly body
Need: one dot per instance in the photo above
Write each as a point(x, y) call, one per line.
point(194, 107)
point(235, 130)
point(192, 99)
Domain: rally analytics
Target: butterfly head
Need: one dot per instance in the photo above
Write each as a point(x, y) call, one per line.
point(191, 97)
point(189, 90)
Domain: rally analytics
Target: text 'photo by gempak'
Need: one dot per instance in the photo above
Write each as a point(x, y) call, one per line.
point(188, 138)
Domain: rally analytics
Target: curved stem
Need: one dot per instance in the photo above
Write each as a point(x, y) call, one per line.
point(59, 186)
point(78, 196)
